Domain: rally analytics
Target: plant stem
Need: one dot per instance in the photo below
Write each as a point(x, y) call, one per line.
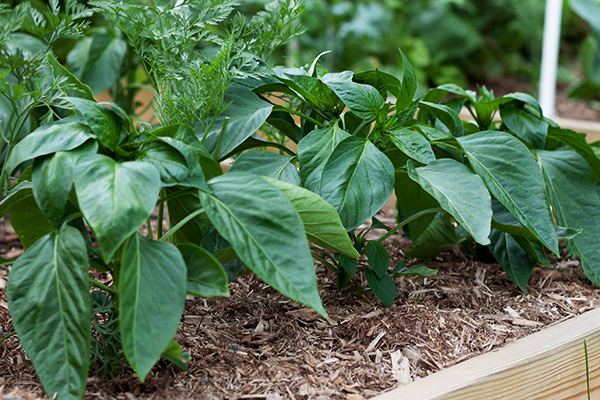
point(6, 337)
point(409, 220)
point(325, 263)
point(182, 223)
point(103, 286)
point(149, 225)
point(175, 195)
point(302, 115)
point(221, 135)
point(159, 223)
point(587, 370)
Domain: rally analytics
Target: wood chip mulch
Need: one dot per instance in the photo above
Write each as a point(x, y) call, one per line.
point(258, 344)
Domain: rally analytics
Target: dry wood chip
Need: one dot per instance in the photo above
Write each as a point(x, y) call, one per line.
point(400, 367)
point(525, 322)
point(373, 344)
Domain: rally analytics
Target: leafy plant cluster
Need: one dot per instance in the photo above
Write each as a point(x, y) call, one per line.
point(91, 178)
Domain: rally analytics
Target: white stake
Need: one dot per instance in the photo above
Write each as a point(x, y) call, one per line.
point(550, 56)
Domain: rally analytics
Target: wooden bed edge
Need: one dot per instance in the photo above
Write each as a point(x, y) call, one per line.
point(550, 364)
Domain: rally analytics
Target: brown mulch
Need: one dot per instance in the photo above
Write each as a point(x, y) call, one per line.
point(258, 344)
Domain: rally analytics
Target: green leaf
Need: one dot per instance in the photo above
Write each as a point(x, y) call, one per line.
point(349, 264)
point(115, 198)
point(512, 176)
point(104, 122)
point(412, 199)
point(179, 208)
point(66, 134)
point(246, 113)
point(48, 293)
point(413, 144)
point(314, 151)
point(152, 287)
point(446, 115)
point(409, 85)
point(357, 181)
point(382, 81)
point(460, 192)
point(52, 181)
point(378, 257)
point(322, 223)
point(577, 142)
point(575, 203)
point(28, 221)
point(315, 92)
point(22, 190)
point(532, 129)
point(363, 100)
point(515, 261)
point(438, 236)
point(175, 355)
point(59, 72)
point(383, 287)
point(172, 165)
point(266, 232)
point(419, 270)
point(284, 123)
point(97, 60)
point(267, 164)
point(205, 275)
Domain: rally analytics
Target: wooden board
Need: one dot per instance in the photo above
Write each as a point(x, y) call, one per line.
point(549, 364)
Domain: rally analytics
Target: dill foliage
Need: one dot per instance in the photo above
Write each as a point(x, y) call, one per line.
point(192, 49)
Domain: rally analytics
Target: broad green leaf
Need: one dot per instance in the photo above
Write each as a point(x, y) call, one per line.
point(577, 142)
point(512, 176)
point(515, 261)
point(357, 181)
point(115, 198)
point(172, 165)
point(52, 181)
point(411, 199)
point(152, 287)
point(97, 60)
point(104, 122)
point(80, 90)
point(180, 207)
point(21, 190)
point(413, 144)
point(28, 221)
point(205, 275)
point(349, 264)
point(409, 85)
point(382, 81)
point(66, 134)
point(363, 100)
point(267, 164)
point(534, 248)
point(532, 129)
point(48, 293)
point(383, 287)
point(246, 113)
point(438, 236)
point(378, 257)
point(575, 203)
point(314, 151)
point(322, 223)
point(460, 192)
point(175, 355)
point(419, 270)
point(284, 123)
point(313, 90)
point(446, 115)
point(266, 232)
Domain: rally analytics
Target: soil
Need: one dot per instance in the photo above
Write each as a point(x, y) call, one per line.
point(258, 344)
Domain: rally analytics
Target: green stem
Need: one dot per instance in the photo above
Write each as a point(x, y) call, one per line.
point(149, 224)
point(182, 223)
point(362, 125)
point(6, 337)
point(221, 136)
point(325, 263)
point(175, 195)
point(301, 115)
point(103, 286)
point(408, 221)
point(159, 223)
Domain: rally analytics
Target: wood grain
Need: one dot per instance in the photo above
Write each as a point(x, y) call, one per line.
point(549, 364)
